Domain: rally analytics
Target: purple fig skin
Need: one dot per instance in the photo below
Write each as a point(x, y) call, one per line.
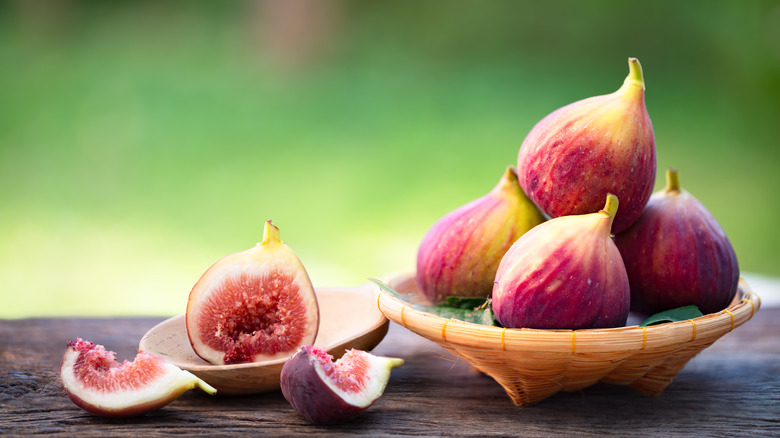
point(566, 273)
point(460, 254)
point(311, 396)
point(677, 254)
point(604, 144)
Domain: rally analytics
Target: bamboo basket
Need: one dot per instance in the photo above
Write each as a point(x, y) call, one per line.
point(533, 364)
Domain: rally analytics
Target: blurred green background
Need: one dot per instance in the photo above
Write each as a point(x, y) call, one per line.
point(141, 141)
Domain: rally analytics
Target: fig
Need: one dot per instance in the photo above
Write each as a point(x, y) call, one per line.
point(97, 383)
point(459, 255)
point(328, 393)
point(677, 254)
point(604, 144)
point(564, 274)
point(253, 305)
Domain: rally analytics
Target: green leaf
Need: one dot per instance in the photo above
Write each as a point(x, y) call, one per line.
point(672, 315)
point(386, 288)
point(467, 309)
point(465, 302)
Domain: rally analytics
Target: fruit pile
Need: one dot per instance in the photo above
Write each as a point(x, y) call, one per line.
point(252, 306)
point(610, 245)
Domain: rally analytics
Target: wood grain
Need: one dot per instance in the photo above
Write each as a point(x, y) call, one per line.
point(730, 389)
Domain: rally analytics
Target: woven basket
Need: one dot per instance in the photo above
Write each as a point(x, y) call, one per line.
point(533, 364)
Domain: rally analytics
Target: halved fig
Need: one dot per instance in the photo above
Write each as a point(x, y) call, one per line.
point(328, 392)
point(97, 383)
point(253, 305)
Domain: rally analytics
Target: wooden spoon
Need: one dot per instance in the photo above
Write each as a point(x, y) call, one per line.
point(349, 318)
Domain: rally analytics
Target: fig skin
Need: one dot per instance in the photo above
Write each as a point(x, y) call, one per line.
point(677, 254)
point(604, 144)
point(254, 305)
point(303, 386)
point(566, 273)
point(460, 253)
point(168, 384)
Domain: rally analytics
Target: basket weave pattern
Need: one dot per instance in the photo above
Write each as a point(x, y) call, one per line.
point(533, 364)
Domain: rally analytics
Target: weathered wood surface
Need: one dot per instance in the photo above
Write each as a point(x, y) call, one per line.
point(730, 389)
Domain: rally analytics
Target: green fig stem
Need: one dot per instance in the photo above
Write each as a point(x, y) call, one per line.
point(610, 208)
point(393, 362)
point(205, 387)
point(635, 76)
point(509, 180)
point(672, 181)
point(635, 81)
point(270, 233)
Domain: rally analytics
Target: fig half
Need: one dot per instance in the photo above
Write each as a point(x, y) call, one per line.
point(327, 392)
point(253, 305)
point(97, 383)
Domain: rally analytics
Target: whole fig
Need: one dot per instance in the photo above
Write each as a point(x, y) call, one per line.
point(677, 254)
point(564, 274)
point(459, 255)
point(604, 144)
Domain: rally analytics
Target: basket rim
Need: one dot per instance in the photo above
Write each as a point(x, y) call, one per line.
point(444, 331)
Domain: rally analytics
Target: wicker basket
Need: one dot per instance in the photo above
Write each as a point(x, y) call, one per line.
point(533, 364)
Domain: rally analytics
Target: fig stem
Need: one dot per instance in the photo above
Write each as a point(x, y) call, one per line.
point(270, 233)
point(205, 387)
point(509, 180)
point(635, 76)
point(634, 85)
point(672, 181)
point(610, 208)
point(393, 362)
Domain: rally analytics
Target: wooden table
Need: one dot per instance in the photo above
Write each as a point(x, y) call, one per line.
point(731, 388)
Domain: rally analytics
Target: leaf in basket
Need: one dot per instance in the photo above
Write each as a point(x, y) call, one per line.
point(672, 315)
point(469, 303)
point(386, 288)
point(480, 313)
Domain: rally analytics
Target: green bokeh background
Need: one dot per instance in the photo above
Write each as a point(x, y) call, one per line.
point(142, 141)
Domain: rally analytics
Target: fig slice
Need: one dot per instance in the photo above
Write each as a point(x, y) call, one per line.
point(254, 305)
point(97, 383)
point(327, 392)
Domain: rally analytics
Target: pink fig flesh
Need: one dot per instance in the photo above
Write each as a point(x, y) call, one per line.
point(253, 305)
point(677, 254)
point(459, 255)
point(564, 274)
point(97, 383)
point(577, 154)
point(325, 392)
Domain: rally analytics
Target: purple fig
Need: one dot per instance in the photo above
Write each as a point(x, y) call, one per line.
point(604, 144)
point(459, 255)
point(677, 254)
point(564, 274)
point(326, 392)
